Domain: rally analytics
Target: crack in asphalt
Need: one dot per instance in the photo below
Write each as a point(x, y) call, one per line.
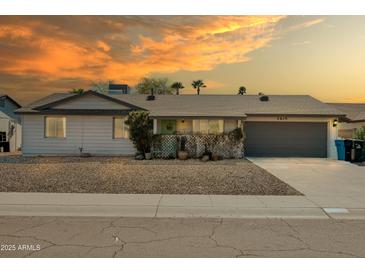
point(308, 247)
point(35, 226)
point(218, 245)
point(120, 244)
point(113, 225)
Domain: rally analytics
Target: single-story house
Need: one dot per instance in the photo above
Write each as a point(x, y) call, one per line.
point(91, 122)
point(10, 127)
point(355, 118)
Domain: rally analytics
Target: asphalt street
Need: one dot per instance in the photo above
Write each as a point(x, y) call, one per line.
point(179, 237)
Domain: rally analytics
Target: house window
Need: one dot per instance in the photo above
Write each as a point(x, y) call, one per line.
point(120, 129)
point(2, 136)
point(55, 127)
point(168, 127)
point(208, 126)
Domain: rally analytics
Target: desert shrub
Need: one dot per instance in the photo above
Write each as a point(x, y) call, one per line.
point(236, 135)
point(140, 130)
point(360, 133)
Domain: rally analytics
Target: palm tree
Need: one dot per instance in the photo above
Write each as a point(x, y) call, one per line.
point(77, 90)
point(197, 84)
point(177, 86)
point(241, 90)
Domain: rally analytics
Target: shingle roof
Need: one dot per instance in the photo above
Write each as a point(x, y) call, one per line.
point(354, 112)
point(215, 105)
point(229, 105)
point(9, 98)
point(43, 101)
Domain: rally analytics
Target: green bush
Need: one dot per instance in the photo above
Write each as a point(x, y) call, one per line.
point(236, 135)
point(360, 133)
point(140, 130)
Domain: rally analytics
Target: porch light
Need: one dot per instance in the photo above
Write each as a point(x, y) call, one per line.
point(335, 123)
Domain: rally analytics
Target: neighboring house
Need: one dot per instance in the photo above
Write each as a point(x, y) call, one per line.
point(285, 125)
point(118, 89)
point(10, 128)
point(355, 118)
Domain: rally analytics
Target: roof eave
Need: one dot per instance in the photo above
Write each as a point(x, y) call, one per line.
point(355, 121)
point(296, 114)
point(11, 99)
point(71, 97)
point(197, 116)
point(101, 112)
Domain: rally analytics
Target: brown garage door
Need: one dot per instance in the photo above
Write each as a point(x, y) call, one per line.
point(286, 139)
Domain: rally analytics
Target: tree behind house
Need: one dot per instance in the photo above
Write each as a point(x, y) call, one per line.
point(159, 86)
point(198, 84)
point(177, 86)
point(101, 86)
point(77, 90)
point(241, 90)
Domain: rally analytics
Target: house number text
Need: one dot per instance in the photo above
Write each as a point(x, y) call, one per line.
point(282, 118)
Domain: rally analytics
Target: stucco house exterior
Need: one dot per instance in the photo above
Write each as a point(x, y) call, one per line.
point(10, 127)
point(355, 118)
point(91, 122)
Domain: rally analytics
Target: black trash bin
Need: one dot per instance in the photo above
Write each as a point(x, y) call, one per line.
point(358, 147)
point(354, 150)
point(348, 148)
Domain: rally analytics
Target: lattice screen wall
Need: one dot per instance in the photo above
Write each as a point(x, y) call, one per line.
point(195, 145)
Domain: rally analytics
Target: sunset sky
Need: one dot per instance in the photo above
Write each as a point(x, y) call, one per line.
point(323, 56)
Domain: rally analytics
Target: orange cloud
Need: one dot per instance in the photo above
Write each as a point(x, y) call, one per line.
point(307, 24)
point(222, 40)
point(13, 32)
point(102, 45)
point(134, 48)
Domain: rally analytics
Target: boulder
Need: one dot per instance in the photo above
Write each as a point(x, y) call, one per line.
point(205, 158)
point(139, 157)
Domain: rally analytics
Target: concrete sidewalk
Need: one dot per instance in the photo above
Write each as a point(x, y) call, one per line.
point(156, 205)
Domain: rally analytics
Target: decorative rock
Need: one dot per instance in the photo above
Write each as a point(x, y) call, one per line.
point(139, 157)
point(205, 158)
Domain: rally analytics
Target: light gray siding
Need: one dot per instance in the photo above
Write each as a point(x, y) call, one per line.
point(90, 102)
point(93, 133)
point(8, 107)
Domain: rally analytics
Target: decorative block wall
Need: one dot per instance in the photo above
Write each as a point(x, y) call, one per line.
point(166, 146)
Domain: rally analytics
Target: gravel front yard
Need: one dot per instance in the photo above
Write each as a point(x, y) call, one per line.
point(126, 175)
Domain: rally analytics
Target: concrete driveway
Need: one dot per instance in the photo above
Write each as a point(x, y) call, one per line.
point(331, 184)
